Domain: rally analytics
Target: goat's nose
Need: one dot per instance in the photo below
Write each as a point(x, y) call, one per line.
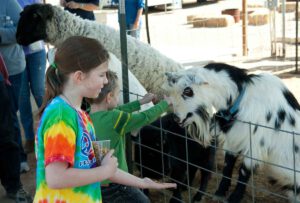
point(176, 118)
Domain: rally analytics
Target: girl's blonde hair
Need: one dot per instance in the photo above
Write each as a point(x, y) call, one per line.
point(76, 53)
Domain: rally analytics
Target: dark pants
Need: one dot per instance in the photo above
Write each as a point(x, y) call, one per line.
point(9, 149)
point(116, 193)
point(14, 93)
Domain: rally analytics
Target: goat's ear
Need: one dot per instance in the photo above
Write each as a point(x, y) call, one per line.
point(45, 11)
point(172, 78)
point(193, 79)
point(168, 74)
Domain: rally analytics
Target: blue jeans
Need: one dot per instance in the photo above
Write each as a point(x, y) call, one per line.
point(14, 93)
point(116, 193)
point(134, 33)
point(34, 82)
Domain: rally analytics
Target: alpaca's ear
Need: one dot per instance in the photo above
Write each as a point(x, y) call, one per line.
point(45, 11)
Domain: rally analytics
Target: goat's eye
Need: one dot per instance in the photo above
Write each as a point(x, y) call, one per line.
point(188, 92)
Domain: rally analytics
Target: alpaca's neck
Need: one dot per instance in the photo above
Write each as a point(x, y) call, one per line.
point(64, 25)
point(148, 64)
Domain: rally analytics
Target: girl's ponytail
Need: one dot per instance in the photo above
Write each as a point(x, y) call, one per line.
point(53, 86)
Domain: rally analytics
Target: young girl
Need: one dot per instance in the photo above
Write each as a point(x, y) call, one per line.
point(113, 123)
point(66, 163)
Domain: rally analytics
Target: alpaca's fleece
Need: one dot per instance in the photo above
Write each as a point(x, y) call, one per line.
point(54, 25)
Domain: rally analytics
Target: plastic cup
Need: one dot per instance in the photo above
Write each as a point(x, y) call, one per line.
point(101, 148)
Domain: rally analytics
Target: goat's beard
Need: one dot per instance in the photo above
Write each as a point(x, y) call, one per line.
point(204, 131)
point(199, 130)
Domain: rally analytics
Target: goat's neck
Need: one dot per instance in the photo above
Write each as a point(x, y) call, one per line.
point(221, 89)
point(225, 97)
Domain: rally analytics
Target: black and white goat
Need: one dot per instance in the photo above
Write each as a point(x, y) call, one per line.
point(179, 149)
point(239, 97)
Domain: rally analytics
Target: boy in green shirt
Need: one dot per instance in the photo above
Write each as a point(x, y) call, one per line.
point(112, 123)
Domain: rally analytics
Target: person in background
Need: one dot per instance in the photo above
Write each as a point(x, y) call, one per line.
point(67, 170)
point(33, 82)
point(14, 59)
point(9, 149)
point(134, 10)
point(82, 8)
point(112, 123)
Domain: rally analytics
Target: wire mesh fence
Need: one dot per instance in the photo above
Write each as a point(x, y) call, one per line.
point(156, 157)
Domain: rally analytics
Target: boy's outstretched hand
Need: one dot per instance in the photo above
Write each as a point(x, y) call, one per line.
point(150, 184)
point(149, 97)
point(168, 100)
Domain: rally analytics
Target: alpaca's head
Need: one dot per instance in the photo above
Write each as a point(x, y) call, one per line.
point(32, 23)
point(192, 108)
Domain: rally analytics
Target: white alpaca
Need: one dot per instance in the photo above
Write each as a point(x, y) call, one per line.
point(236, 96)
point(54, 25)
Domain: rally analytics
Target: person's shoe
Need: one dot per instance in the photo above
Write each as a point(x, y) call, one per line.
point(21, 196)
point(24, 167)
point(29, 146)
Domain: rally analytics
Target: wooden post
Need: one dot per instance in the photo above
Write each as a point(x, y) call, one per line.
point(244, 27)
point(297, 33)
point(283, 7)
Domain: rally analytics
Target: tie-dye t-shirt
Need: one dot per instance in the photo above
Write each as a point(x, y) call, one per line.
point(66, 135)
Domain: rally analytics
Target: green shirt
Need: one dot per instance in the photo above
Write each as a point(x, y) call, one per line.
point(114, 124)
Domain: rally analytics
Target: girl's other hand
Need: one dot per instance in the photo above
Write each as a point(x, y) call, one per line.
point(150, 184)
point(147, 98)
point(110, 163)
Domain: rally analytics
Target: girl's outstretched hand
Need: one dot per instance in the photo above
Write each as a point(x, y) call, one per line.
point(150, 184)
point(147, 98)
point(110, 163)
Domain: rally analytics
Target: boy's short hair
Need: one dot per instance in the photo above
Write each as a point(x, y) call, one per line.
point(109, 87)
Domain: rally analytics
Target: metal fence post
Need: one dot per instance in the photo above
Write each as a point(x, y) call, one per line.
point(124, 56)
